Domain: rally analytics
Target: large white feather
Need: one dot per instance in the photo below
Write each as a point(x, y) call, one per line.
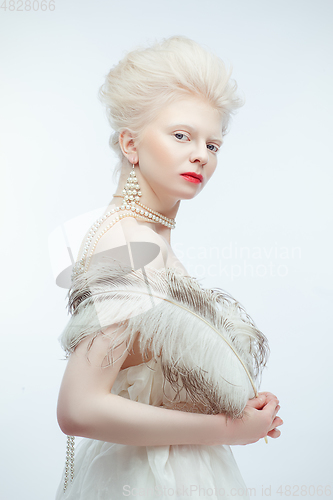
point(204, 339)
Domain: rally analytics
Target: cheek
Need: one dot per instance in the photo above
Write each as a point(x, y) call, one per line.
point(159, 154)
point(212, 167)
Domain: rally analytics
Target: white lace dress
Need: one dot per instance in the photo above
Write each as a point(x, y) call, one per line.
point(107, 471)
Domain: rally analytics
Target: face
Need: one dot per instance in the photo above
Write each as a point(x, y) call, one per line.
point(185, 137)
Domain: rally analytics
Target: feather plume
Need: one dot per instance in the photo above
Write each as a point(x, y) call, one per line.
point(207, 344)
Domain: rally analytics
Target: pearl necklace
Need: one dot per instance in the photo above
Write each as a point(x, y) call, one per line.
point(147, 215)
point(148, 212)
point(131, 195)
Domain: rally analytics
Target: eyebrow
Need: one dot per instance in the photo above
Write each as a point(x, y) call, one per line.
point(186, 125)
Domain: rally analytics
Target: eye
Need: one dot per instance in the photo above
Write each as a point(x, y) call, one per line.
point(213, 148)
point(181, 137)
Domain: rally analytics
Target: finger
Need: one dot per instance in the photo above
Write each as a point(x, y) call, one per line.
point(276, 410)
point(254, 403)
point(271, 406)
point(274, 433)
point(277, 422)
point(257, 402)
point(268, 395)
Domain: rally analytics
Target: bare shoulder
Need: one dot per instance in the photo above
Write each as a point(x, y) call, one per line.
point(134, 239)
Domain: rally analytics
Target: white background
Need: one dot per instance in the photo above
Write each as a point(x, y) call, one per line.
point(271, 193)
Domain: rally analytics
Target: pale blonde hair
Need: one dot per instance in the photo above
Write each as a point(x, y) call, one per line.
point(147, 79)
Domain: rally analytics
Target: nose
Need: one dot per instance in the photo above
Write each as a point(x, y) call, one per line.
point(200, 154)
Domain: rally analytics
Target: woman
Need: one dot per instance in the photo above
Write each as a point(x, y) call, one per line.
point(160, 376)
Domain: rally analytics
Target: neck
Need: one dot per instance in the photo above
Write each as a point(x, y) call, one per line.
point(160, 229)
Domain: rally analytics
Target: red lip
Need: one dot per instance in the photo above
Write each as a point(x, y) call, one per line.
point(194, 175)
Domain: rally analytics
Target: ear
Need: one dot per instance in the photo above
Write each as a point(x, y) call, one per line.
point(127, 144)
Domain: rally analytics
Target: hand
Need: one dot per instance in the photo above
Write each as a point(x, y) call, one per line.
point(260, 419)
point(259, 403)
point(268, 396)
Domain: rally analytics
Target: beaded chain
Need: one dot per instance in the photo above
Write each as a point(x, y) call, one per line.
point(83, 264)
point(131, 195)
point(69, 468)
point(130, 201)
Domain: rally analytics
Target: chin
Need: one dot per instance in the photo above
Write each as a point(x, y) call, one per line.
point(183, 194)
point(186, 196)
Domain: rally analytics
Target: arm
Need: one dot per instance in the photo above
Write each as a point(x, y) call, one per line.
point(87, 408)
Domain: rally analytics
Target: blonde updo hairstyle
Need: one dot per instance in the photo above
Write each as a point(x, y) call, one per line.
point(147, 79)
